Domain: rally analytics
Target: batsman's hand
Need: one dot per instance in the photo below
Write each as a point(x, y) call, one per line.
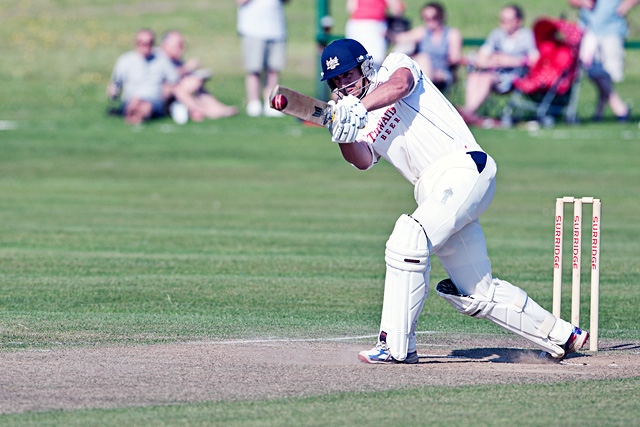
point(349, 116)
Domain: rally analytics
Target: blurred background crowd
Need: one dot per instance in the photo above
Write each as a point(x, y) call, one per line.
point(538, 56)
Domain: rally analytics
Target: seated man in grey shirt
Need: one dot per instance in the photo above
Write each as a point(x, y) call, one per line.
point(505, 55)
point(143, 80)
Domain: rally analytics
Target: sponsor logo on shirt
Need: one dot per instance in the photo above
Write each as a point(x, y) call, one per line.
point(385, 126)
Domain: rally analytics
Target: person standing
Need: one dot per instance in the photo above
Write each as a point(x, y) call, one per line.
point(602, 50)
point(262, 27)
point(397, 114)
point(367, 23)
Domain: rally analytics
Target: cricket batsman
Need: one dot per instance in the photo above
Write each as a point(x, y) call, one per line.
point(397, 113)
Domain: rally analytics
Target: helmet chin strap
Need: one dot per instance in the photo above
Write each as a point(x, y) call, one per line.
point(363, 91)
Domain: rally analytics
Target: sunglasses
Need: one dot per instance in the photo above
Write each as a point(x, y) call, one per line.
point(507, 20)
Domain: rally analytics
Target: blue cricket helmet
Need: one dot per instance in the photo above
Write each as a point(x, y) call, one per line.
point(341, 56)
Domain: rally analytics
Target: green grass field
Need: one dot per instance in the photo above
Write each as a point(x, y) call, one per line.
point(253, 228)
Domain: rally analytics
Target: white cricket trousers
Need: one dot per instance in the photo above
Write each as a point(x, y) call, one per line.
point(451, 195)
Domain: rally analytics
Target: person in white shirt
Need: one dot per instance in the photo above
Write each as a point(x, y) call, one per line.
point(262, 27)
point(397, 114)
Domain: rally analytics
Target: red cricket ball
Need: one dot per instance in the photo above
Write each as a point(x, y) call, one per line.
point(279, 102)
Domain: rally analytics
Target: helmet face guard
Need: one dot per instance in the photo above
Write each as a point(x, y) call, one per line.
point(343, 55)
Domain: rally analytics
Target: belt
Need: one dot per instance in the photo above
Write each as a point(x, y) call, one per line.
point(479, 158)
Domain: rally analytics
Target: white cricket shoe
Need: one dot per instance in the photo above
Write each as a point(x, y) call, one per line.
point(254, 108)
point(270, 112)
point(381, 354)
point(576, 340)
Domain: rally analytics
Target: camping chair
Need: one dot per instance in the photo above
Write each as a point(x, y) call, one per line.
point(551, 87)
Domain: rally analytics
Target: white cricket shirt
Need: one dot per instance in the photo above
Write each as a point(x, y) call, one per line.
point(419, 129)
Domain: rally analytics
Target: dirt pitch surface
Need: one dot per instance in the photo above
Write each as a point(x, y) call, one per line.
point(115, 377)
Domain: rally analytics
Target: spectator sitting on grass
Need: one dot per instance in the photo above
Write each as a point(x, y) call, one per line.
point(190, 92)
point(142, 80)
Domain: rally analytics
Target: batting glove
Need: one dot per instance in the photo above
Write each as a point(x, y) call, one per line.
point(349, 116)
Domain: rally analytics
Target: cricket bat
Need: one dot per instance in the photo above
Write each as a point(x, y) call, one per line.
point(300, 105)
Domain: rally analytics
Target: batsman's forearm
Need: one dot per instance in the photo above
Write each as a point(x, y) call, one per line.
point(358, 154)
point(397, 87)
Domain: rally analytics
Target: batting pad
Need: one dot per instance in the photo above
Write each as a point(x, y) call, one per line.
point(511, 308)
point(406, 284)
